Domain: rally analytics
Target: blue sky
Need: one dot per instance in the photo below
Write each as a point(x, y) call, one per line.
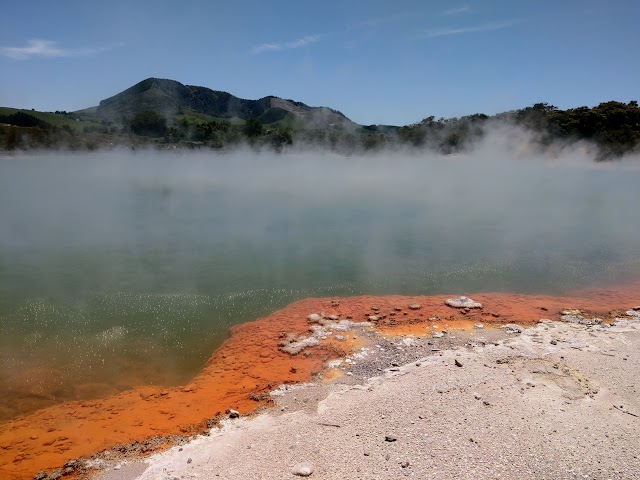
point(376, 61)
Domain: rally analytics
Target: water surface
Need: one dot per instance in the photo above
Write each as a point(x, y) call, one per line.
point(120, 269)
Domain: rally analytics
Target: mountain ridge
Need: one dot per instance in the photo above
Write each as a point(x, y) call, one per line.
point(172, 98)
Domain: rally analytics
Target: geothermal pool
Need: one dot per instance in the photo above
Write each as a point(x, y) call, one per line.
point(122, 269)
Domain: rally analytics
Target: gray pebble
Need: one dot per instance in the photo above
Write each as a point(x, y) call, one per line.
point(304, 469)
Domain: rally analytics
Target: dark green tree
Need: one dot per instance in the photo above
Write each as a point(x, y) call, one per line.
point(149, 124)
point(22, 119)
point(253, 127)
point(280, 138)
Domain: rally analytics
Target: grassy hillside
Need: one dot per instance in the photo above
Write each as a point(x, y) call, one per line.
point(175, 101)
point(168, 114)
point(76, 122)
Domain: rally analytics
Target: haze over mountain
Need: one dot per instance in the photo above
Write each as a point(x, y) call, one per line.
point(167, 112)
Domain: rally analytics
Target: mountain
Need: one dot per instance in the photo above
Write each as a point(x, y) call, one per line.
point(172, 99)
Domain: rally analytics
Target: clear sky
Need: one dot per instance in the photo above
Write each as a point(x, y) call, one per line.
point(392, 62)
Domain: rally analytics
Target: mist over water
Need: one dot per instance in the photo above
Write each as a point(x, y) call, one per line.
point(123, 268)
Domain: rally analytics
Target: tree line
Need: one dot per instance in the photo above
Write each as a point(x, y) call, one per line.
point(612, 127)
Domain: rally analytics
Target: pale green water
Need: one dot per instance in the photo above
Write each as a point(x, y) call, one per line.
point(121, 269)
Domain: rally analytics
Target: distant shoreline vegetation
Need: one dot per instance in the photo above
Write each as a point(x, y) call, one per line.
point(613, 128)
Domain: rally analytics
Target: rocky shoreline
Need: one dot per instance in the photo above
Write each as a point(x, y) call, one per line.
point(347, 342)
point(555, 400)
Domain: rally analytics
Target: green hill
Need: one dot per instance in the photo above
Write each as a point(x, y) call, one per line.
point(174, 101)
point(58, 119)
point(167, 114)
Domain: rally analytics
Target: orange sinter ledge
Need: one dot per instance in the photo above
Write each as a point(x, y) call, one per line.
point(285, 347)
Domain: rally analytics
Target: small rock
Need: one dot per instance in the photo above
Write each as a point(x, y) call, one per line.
point(334, 317)
point(512, 328)
point(55, 475)
point(390, 438)
point(437, 334)
point(409, 341)
point(340, 338)
point(457, 363)
point(495, 315)
point(189, 460)
point(580, 319)
point(415, 306)
point(462, 302)
point(404, 464)
point(233, 413)
point(314, 317)
point(478, 325)
point(374, 318)
point(304, 469)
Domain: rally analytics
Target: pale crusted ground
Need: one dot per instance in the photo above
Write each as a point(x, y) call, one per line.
point(559, 401)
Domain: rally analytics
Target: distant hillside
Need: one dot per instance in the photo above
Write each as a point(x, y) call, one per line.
point(173, 99)
point(168, 114)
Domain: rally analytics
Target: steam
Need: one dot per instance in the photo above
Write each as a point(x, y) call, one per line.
point(117, 259)
point(502, 199)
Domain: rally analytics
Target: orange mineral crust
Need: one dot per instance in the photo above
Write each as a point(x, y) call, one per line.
point(249, 364)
